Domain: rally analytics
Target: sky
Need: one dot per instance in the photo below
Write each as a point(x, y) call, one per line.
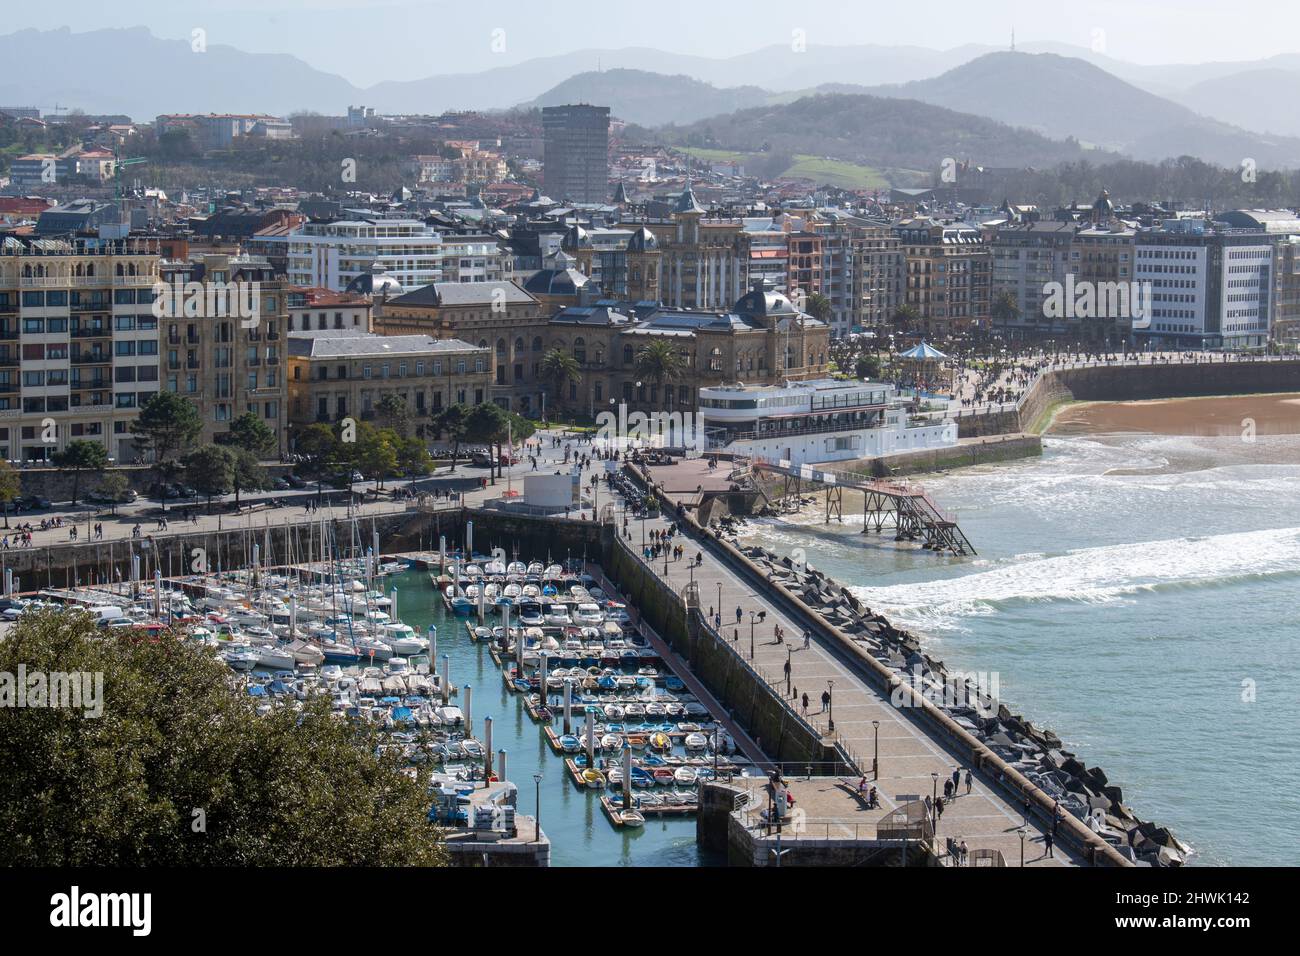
point(367, 41)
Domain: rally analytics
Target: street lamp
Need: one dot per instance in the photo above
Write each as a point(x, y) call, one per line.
point(875, 757)
point(1021, 831)
point(934, 797)
point(830, 706)
point(789, 657)
point(751, 632)
point(537, 821)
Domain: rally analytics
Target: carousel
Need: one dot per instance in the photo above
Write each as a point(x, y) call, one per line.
point(922, 367)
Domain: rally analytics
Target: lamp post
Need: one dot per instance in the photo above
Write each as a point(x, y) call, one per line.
point(1021, 831)
point(875, 757)
point(751, 632)
point(934, 796)
point(537, 821)
point(789, 657)
point(830, 706)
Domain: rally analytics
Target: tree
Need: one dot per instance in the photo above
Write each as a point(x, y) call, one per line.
point(11, 486)
point(867, 366)
point(906, 316)
point(246, 473)
point(659, 362)
point(489, 423)
point(319, 450)
point(374, 454)
point(393, 414)
point(819, 307)
point(210, 470)
point(293, 787)
point(451, 423)
point(560, 369)
point(412, 456)
point(251, 433)
point(114, 487)
point(167, 425)
point(80, 455)
point(1005, 308)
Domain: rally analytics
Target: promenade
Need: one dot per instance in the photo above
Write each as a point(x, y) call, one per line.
point(912, 764)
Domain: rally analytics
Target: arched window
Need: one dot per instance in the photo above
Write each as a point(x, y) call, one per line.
point(715, 360)
point(537, 344)
point(501, 348)
point(580, 349)
point(519, 347)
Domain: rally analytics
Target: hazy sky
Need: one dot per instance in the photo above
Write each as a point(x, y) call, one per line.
point(371, 40)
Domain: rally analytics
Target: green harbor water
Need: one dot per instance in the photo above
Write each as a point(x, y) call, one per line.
point(579, 832)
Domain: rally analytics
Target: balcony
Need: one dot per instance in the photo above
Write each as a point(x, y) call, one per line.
point(9, 361)
point(92, 332)
point(94, 358)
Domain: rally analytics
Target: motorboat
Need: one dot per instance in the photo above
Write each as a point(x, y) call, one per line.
point(570, 744)
point(632, 818)
point(685, 776)
point(660, 741)
point(593, 779)
point(696, 742)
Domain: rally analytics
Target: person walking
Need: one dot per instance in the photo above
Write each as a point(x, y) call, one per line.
point(787, 669)
point(807, 638)
point(826, 700)
point(938, 809)
point(738, 615)
point(805, 704)
point(1048, 842)
point(956, 779)
point(947, 789)
point(968, 780)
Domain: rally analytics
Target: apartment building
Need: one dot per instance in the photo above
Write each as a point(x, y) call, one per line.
point(222, 322)
point(947, 275)
point(577, 152)
point(321, 309)
point(704, 260)
point(1211, 287)
point(78, 343)
point(340, 373)
point(1025, 258)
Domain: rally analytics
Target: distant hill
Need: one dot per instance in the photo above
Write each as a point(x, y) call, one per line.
point(875, 131)
point(1263, 100)
point(133, 72)
point(1063, 96)
point(651, 99)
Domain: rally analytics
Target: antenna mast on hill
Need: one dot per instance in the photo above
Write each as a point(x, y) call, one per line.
point(1013, 39)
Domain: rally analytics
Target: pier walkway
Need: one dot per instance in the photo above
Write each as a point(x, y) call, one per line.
point(912, 764)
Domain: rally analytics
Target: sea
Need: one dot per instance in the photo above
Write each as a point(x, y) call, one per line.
point(1135, 593)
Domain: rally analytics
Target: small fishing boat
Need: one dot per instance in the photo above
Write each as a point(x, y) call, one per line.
point(660, 741)
point(632, 818)
point(570, 744)
point(663, 776)
point(695, 742)
point(593, 779)
point(685, 776)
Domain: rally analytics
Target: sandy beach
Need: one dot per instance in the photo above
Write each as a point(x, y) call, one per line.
point(1217, 417)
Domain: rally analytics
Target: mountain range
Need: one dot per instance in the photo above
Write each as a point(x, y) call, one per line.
point(1222, 112)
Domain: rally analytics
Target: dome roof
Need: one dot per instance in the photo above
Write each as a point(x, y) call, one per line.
point(642, 240)
point(1103, 206)
point(576, 238)
point(555, 282)
point(376, 282)
point(765, 303)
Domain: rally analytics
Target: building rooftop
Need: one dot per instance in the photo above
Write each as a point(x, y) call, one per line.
point(348, 343)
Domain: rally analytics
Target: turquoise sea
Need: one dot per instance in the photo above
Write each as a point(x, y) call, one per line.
point(1135, 593)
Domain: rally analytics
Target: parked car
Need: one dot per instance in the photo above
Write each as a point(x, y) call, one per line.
point(279, 484)
point(295, 482)
point(31, 502)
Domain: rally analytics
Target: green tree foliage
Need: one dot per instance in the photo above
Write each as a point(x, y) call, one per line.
point(80, 455)
point(166, 426)
point(180, 770)
point(251, 433)
point(451, 424)
point(11, 486)
point(114, 486)
point(210, 470)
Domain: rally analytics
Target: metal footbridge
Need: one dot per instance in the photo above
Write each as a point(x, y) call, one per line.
point(899, 504)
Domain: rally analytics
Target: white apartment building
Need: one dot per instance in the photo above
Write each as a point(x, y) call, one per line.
point(1210, 288)
point(331, 255)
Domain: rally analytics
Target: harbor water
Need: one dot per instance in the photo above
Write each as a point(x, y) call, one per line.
point(1134, 593)
point(579, 832)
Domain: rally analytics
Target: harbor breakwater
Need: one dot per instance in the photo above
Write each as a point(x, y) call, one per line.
point(1029, 762)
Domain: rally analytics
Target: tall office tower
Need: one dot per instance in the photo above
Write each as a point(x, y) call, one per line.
point(577, 153)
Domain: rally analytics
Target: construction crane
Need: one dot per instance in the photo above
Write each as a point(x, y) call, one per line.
point(118, 163)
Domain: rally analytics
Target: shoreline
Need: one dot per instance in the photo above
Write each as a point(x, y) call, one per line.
point(1210, 416)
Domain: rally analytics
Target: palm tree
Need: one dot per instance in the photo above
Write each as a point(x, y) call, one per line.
point(560, 369)
point(906, 316)
point(819, 307)
point(658, 362)
point(1005, 308)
